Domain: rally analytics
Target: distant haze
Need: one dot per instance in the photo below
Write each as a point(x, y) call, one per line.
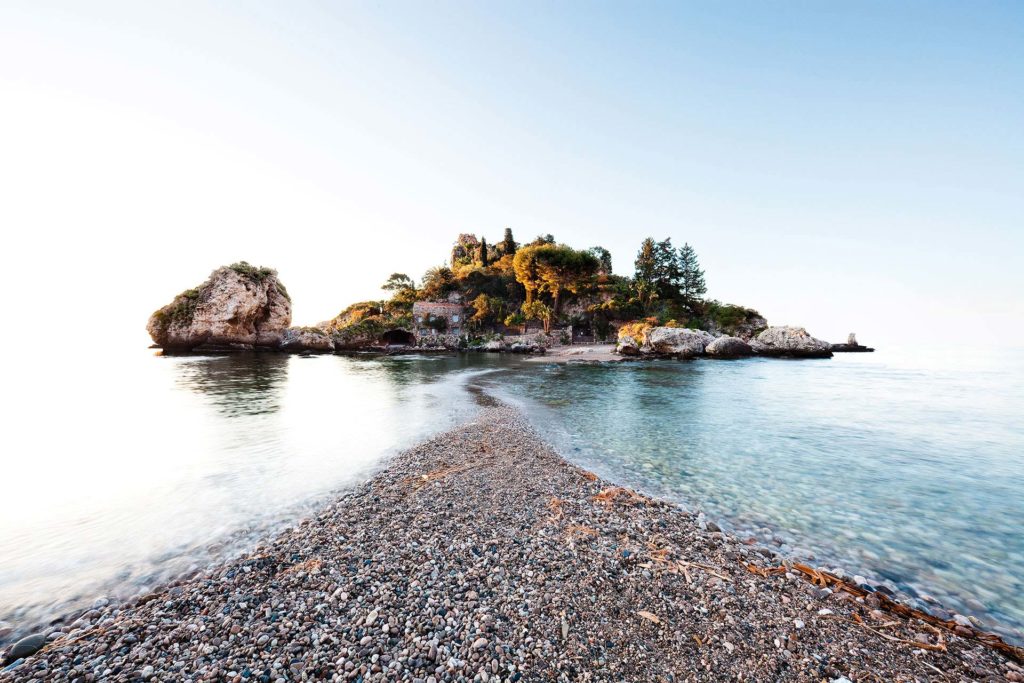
point(842, 166)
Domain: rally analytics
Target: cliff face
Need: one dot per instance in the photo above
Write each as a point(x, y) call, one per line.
point(238, 306)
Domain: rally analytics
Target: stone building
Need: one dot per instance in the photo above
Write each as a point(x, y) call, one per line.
point(438, 322)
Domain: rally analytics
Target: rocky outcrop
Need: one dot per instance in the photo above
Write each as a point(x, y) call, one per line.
point(629, 344)
point(676, 342)
point(307, 339)
point(728, 347)
point(239, 306)
point(664, 342)
point(735, 321)
point(851, 346)
point(790, 342)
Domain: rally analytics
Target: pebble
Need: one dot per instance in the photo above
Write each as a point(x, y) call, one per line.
point(482, 555)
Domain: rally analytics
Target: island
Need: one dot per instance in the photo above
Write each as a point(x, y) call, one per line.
point(503, 296)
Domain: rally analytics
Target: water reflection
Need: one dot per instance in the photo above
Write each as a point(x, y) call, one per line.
point(171, 461)
point(237, 384)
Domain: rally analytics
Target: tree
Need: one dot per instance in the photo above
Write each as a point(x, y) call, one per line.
point(605, 257)
point(692, 277)
point(645, 273)
point(438, 283)
point(527, 274)
point(487, 309)
point(538, 310)
point(398, 282)
point(562, 268)
point(403, 291)
point(668, 277)
point(508, 245)
point(482, 253)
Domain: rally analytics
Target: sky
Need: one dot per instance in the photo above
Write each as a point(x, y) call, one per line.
point(839, 166)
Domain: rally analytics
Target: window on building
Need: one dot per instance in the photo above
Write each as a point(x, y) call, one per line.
point(455, 318)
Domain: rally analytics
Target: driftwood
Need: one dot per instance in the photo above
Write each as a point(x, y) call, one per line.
point(829, 580)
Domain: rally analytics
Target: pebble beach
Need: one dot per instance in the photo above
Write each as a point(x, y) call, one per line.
point(482, 555)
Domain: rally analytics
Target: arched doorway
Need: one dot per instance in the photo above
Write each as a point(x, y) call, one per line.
point(398, 338)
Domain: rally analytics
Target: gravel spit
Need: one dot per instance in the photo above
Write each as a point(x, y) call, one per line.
point(482, 556)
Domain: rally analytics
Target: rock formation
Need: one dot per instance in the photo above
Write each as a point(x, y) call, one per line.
point(239, 306)
point(790, 342)
point(677, 342)
point(728, 347)
point(851, 346)
point(668, 342)
point(307, 339)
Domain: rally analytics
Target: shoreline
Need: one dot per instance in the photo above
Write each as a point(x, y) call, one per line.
point(481, 554)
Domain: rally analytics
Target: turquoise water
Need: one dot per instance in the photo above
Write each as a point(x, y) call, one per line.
point(127, 471)
point(905, 470)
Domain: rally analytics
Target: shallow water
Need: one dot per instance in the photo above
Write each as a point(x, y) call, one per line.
point(123, 473)
point(127, 470)
point(907, 470)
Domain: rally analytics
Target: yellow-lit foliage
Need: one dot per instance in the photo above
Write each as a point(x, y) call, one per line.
point(637, 330)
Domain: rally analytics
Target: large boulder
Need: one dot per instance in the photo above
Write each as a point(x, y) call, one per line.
point(307, 339)
point(790, 342)
point(641, 339)
point(239, 306)
point(677, 342)
point(728, 347)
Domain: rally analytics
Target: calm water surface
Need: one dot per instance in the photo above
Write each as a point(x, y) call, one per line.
point(122, 472)
point(908, 470)
point(126, 471)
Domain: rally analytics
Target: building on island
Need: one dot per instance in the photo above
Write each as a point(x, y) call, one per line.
point(434, 321)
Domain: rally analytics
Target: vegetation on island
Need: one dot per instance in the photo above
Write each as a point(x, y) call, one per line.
point(507, 286)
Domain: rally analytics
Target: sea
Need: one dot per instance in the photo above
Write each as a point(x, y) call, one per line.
point(904, 466)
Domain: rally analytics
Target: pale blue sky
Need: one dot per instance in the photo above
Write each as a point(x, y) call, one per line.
point(843, 166)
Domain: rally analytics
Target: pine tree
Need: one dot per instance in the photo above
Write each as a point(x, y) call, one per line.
point(482, 253)
point(668, 274)
point(508, 245)
point(605, 257)
point(693, 285)
point(645, 272)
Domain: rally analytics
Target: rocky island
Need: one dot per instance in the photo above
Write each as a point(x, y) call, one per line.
point(238, 307)
point(504, 297)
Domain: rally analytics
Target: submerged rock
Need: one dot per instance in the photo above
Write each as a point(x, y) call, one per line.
point(239, 306)
point(729, 347)
point(790, 342)
point(313, 339)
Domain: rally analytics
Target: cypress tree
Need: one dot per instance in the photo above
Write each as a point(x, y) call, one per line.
point(483, 252)
point(508, 245)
